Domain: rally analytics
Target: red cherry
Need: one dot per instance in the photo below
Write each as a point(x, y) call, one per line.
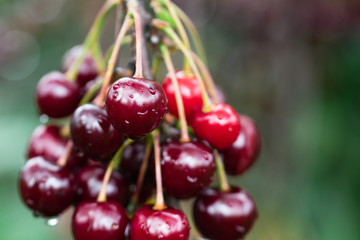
point(56, 96)
point(224, 215)
point(190, 93)
point(46, 188)
point(99, 220)
point(193, 165)
point(90, 182)
point(166, 224)
point(93, 134)
point(45, 141)
point(135, 106)
point(220, 127)
point(88, 69)
point(245, 150)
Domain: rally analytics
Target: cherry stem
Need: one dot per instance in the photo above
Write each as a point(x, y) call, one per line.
point(112, 61)
point(66, 154)
point(159, 202)
point(193, 32)
point(134, 9)
point(179, 101)
point(181, 30)
point(114, 163)
point(98, 57)
point(91, 38)
point(223, 182)
point(209, 81)
point(142, 172)
point(91, 93)
point(65, 131)
point(155, 65)
point(207, 104)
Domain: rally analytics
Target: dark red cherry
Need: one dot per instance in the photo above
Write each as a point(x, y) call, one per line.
point(99, 220)
point(45, 141)
point(132, 159)
point(135, 106)
point(186, 168)
point(190, 92)
point(90, 181)
point(245, 150)
point(46, 188)
point(88, 69)
point(220, 127)
point(56, 96)
point(166, 224)
point(92, 132)
point(224, 215)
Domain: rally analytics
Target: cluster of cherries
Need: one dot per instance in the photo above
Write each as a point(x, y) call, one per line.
point(95, 161)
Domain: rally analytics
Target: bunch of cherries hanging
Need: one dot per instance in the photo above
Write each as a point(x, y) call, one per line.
point(122, 138)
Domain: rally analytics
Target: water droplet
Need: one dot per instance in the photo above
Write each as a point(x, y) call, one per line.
point(116, 86)
point(44, 118)
point(127, 122)
point(52, 221)
point(142, 113)
point(115, 94)
point(152, 90)
point(141, 89)
point(115, 226)
point(128, 83)
point(131, 96)
point(192, 180)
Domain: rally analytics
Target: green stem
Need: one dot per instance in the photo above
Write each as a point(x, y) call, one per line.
point(92, 37)
point(207, 104)
point(182, 32)
point(224, 185)
point(99, 59)
point(91, 93)
point(193, 33)
point(155, 65)
point(179, 101)
point(115, 163)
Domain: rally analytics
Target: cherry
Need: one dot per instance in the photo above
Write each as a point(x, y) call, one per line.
point(166, 224)
point(90, 181)
point(190, 93)
point(245, 150)
point(92, 132)
point(224, 215)
point(132, 159)
point(88, 69)
point(99, 220)
point(193, 165)
point(220, 127)
point(56, 96)
point(135, 106)
point(46, 188)
point(45, 141)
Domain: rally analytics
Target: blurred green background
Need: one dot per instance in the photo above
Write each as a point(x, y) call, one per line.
point(293, 66)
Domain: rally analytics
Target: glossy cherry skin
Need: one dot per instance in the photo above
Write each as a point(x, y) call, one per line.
point(92, 132)
point(166, 224)
point(190, 93)
point(219, 215)
point(56, 96)
point(135, 106)
point(186, 168)
point(245, 150)
point(99, 220)
point(46, 188)
point(90, 181)
point(88, 70)
point(220, 127)
point(45, 141)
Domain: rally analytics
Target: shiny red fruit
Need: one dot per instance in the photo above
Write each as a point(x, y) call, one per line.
point(46, 188)
point(99, 221)
point(245, 150)
point(135, 106)
point(190, 93)
point(166, 224)
point(224, 215)
point(56, 96)
point(220, 127)
point(45, 141)
point(93, 134)
point(90, 182)
point(88, 69)
point(187, 168)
